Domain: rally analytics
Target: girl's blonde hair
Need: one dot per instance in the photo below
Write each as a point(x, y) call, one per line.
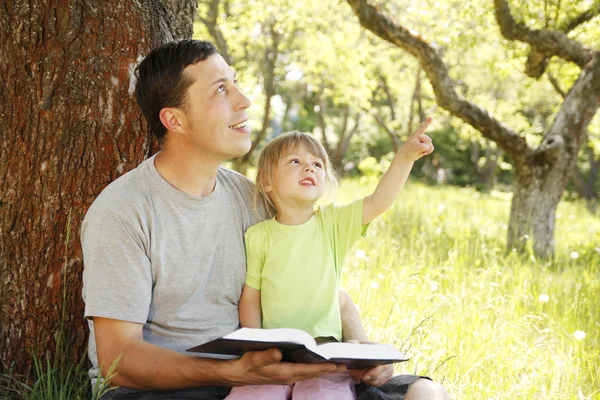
point(272, 154)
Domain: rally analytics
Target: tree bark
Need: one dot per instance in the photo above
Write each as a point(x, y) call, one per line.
point(542, 169)
point(70, 125)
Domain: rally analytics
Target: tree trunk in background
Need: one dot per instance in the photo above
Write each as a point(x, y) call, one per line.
point(321, 120)
point(586, 185)
point(344, 142)
point(271, 56)
point(539, 186)
point(486, 172)
point(70, 125)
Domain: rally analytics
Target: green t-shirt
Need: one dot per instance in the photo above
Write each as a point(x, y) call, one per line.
point(297, 268)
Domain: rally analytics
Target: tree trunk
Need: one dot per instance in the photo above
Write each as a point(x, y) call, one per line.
point(486, 173)
point(70, 125)
point(321, 121)
point(344, 142)
point(538, 189)
point(271, 56)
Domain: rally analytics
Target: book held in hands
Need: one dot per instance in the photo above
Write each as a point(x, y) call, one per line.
point(298, 346)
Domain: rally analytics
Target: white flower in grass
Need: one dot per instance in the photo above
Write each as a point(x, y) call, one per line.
point(441, 208)
point(579, 335)
point(380, 276)
point(374, 285)
point(543, 298)
point(360, 254)
point(574, 255)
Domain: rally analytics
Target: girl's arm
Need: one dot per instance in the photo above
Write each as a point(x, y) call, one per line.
point(249, 308)
point(392, 182)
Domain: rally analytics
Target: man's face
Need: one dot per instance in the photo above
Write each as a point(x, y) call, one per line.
point(215, 118)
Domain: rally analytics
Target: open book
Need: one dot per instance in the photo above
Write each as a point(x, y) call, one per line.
point(298, 346)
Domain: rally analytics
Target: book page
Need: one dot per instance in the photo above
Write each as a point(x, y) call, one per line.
point(369, 351)
point(273, 335)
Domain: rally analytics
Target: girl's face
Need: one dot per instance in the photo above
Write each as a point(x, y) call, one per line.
point(299, 179)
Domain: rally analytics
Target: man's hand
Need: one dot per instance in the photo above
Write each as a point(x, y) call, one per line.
point(375, 376)
point(265, 367)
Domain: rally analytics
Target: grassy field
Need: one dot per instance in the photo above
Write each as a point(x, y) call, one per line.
point(433, 278)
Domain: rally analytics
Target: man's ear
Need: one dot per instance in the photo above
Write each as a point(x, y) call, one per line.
point(172, 118)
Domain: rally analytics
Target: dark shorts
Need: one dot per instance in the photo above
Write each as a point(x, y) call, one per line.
point(395, 389)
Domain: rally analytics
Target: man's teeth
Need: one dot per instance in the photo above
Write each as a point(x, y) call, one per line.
point(238, 126)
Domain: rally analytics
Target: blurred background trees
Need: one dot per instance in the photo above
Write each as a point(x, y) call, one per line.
point(312, 67)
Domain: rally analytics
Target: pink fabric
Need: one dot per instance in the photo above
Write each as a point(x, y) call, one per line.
point(329, 387)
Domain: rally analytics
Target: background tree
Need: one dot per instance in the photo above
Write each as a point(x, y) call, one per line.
point(298, 62)
point(70, 126)
point(542, 171)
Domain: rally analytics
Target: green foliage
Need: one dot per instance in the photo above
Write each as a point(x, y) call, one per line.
point(324, 52)
point(433, 278)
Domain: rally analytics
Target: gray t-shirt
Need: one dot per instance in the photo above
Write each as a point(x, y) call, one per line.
point(171, 261)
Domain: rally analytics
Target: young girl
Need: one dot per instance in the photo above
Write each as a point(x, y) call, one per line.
point(294, 260)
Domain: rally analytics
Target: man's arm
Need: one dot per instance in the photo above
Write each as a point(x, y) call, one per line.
point(149, 367)
point(392, 182)
point(249, 308)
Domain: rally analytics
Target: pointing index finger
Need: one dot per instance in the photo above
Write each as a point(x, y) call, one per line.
point(421, 129)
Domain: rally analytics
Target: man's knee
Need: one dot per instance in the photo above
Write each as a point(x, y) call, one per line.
point(423, 389)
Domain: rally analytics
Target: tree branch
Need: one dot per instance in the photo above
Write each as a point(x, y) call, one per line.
point(547, 42)
point(391, 134)
point(582, 18)
point(556, 85)
point(210, 21)
point(576, 113)
point(537, 61)
point(443, 86)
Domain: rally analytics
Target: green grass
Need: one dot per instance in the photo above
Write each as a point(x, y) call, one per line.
point(434, 279)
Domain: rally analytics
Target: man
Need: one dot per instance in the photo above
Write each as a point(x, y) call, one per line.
point(163, 245)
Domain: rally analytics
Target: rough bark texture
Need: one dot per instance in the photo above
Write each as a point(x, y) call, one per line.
point(542, 173)
point(70, 125)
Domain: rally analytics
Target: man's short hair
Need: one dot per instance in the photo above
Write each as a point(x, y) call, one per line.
point(161, 82)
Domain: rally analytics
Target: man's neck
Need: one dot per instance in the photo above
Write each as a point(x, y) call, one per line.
point(188, 172)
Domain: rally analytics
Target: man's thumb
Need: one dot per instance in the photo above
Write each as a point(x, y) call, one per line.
point(267, 357)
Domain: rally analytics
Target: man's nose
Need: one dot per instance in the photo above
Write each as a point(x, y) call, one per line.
point(242, 102)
